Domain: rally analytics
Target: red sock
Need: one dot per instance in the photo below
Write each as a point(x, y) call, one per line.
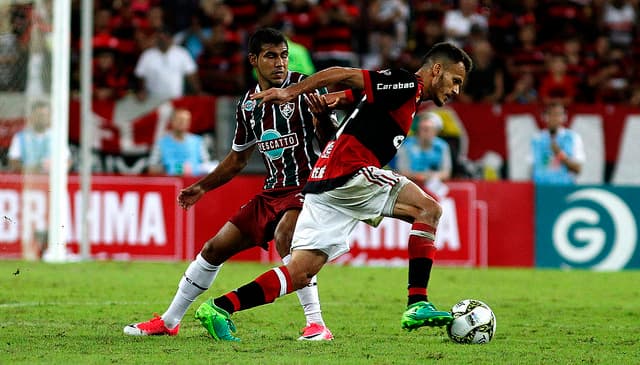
point(264, 289)
point(421, 241)
point(422, 251)
point(275, 283)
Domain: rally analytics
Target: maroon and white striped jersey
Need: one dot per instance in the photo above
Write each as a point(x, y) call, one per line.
point(284, 135)
point(374, 131)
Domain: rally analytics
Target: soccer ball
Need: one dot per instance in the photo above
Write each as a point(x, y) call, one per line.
point(473, 322)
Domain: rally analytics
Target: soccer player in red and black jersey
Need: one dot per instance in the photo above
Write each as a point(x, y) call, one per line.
point(348, 184)
point(288, 136)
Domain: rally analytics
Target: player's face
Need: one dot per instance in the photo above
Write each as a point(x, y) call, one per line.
point(272, 64)
point(447, 82)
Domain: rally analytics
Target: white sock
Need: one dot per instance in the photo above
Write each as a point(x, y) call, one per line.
point(195, 281)
point(309, 299)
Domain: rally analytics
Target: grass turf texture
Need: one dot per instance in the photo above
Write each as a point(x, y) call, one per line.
point(74, 313)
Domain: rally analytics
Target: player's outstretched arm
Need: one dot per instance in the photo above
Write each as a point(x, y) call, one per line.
point(350, 77)
point(226, 170)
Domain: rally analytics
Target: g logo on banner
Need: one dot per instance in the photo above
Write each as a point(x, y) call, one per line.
point(624, 232)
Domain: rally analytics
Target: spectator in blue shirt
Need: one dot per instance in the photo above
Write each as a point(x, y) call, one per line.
point(30, 149)
point(424, 157)
point(557, 153)
point(179, 152)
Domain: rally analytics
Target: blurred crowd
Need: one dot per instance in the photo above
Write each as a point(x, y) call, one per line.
point(553, 52)
point(525, 51)
point(528, 51)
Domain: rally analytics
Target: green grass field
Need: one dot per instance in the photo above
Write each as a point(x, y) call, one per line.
point(74, 314)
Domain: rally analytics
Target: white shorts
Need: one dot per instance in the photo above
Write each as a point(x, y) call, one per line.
point(328, 218)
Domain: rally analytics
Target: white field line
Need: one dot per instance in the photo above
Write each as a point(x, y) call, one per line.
point(71, 304)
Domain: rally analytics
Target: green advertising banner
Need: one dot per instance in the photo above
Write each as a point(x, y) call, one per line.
point(588, 227)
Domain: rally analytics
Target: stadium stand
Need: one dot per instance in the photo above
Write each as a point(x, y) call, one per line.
point(598, 40)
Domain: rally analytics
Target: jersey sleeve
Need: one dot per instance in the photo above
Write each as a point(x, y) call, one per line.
point(243, 137)
point(391, 88)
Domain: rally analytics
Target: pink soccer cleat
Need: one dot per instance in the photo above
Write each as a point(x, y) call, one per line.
point(152, 327)
point(315, 332)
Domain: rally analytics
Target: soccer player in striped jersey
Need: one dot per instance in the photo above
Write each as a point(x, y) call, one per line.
point(287, 136)
point(348, 184)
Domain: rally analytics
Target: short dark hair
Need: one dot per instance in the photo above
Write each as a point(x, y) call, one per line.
point(447, 51)
point(264, 36)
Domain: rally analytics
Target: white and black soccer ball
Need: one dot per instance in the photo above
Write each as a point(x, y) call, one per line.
point(473, 322)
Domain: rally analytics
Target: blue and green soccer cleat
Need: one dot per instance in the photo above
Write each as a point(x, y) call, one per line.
point(424, 314)
point(216, 321)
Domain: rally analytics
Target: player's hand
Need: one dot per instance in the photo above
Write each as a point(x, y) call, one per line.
point(274, 95)
point(319, 104)
point(190, 195)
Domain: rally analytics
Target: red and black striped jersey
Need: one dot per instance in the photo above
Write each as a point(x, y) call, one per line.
point(284, 135)
point(374, 131)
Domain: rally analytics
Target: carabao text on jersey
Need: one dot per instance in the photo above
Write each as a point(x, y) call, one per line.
point(395, 86)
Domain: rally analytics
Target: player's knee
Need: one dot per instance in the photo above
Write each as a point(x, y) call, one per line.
point(429, 211)
point(208, 251)
point(213, 253)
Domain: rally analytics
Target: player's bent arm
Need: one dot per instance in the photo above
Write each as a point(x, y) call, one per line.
point(321, 106)
point(227, 169)
point(325, 125)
